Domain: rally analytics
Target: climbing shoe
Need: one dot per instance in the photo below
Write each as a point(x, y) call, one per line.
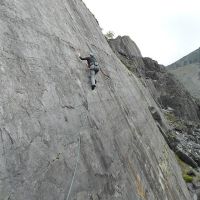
point(93, 86)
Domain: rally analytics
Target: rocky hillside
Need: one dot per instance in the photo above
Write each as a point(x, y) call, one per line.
point(59, 139)
point(163, 86)
point(187, 71)
point(179, 108)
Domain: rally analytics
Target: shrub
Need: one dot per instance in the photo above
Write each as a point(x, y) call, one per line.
point(187, 178)
point(109, 35)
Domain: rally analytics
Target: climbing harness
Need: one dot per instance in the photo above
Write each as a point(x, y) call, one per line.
point(77, 161)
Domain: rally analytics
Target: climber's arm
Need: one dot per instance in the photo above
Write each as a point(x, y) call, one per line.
point(86, 58)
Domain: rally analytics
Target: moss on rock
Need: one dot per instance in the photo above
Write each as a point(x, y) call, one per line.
point(188, 178)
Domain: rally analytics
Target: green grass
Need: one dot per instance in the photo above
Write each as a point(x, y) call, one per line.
point(185, 168)
point(187, 178)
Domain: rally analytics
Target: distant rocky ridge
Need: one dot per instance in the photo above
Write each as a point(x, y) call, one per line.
point(191, 58)
point(187, 71)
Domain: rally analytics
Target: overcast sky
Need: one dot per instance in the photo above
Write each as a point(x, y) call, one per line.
point(163, 30)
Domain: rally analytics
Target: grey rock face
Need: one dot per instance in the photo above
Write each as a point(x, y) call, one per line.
point(125, 46)
point(170, 92)
point(183, 136)
point(46, 105)
point(129, 54)
point(163, 86)
point(188, 148)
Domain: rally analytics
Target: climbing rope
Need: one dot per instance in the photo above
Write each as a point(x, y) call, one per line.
point(104, 73)
point(77, 161)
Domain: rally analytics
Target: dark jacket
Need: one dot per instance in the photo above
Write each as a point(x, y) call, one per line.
point(90, 60)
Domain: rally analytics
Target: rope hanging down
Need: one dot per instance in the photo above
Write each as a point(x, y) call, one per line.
point(104, 73)
point(77, 161)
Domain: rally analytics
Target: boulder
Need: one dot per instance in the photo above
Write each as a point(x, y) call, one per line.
point(186, 158)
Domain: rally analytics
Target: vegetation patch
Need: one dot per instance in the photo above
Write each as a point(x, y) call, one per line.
point(186, 172)
point(187, 178)
point(174, 121)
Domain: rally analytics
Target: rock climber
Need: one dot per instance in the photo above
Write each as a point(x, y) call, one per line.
point(94, 68)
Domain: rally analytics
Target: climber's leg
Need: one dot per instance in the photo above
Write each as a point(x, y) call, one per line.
point(92, 77)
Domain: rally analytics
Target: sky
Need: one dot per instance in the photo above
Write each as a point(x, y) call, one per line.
point(164, 30)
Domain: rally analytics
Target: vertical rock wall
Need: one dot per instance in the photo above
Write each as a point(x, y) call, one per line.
point(46, 105)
